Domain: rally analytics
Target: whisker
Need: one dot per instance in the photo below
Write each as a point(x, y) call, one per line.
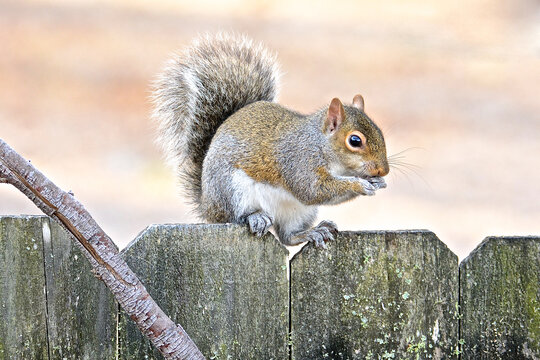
point(404, 151)
point(404, 173)
point(403, 170)
point(397, 162)
point(404, 164)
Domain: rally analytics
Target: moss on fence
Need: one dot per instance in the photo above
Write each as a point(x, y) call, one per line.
point(500, 299)
point(375, 295)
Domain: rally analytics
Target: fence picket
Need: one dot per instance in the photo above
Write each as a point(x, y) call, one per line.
point(375, 295)
point(500, 299)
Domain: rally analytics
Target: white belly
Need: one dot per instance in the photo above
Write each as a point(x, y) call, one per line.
point(251, 196)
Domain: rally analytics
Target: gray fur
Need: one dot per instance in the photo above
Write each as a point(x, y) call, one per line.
point(202, 87)
point(218, 202)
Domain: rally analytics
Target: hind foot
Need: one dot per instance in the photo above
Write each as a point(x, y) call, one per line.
point(259, 223)
point(319, 235)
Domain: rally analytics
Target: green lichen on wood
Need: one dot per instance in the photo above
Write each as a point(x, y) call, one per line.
point(227, 288)
point(500, 299)
point(375, 295)
point(23, 322)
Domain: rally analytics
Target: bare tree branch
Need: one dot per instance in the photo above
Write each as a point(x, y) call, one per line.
point(170, 339)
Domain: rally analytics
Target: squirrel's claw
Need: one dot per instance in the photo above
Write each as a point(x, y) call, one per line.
point(330, 225)
point(259, 223)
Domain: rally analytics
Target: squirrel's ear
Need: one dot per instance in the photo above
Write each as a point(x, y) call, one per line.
point(335, 116)
point(358, 102)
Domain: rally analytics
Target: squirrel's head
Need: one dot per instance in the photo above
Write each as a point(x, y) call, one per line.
point(357, 141)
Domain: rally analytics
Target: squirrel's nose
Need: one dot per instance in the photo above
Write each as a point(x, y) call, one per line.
point(382, 170)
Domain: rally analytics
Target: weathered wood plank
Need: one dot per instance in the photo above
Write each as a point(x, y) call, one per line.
point(228, 289)
point(23, 315)
point(500, 299)
point(81, 310)
point(375, 295)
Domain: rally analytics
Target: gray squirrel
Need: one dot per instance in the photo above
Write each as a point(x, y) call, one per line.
point(245, 159)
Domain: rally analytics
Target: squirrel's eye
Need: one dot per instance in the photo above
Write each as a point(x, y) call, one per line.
point(355, 141)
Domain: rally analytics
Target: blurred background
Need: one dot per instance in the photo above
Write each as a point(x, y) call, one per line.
point(455, 85)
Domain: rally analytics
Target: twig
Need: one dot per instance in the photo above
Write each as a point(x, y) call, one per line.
point(170, 339)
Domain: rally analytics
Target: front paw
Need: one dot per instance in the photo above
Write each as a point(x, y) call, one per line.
point(377, 181)
point(259, 223)
point(366, 187)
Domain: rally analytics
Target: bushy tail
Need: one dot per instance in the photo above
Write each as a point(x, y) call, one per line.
point(202, 87)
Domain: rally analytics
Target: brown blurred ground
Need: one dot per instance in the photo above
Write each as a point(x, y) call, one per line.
point(458, 83)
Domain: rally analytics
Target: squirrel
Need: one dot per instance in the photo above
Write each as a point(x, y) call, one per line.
point(242, 158)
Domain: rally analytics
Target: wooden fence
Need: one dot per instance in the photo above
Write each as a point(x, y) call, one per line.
point(371, 295)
